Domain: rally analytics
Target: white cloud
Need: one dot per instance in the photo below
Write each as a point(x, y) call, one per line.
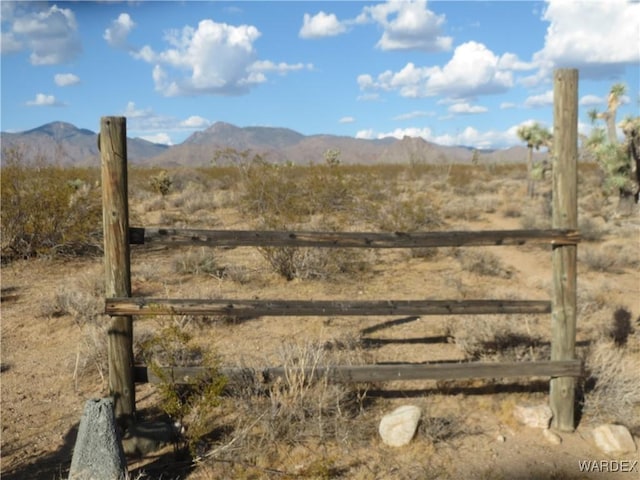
point(195, 121)
point(507, 105)
point(368, 97)
point(412, 115)
point(66, 79)
point(281, 68)
point(116, 35)
point(591, 100)
point(542, 100)
point(473, 70)
point(214, 59)
point(465, 108)
point(151, 123)
point(407, 25)
point(43, 100)
point(347, 120)
point(321, 25)
point(599, 38)
point(50, 34)
point(469, 136)
point(162, 138)
point(9, 43)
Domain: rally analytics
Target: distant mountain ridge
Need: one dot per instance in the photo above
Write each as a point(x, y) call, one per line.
point(67, 144)
point(64, 143)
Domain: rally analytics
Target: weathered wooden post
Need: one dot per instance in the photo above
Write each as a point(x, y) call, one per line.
point(117, 269)
point(565, 215)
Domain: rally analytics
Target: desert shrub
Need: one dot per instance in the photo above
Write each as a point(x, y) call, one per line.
point(394, 215)
point(190, 403)
point(200, 262)
point(482, 263)
point(590, 231)
point(316, 263)
point(161, 183)
point(498, 339)
point(602, 259)
point(614, 395)
point(47, 209)
point(83, 300)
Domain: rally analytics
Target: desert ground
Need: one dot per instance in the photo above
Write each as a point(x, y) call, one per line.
point(54, 333)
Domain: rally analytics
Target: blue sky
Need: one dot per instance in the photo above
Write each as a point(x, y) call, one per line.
point(453, 72)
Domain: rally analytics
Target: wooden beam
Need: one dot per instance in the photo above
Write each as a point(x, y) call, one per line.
point(378, 373)
point(564, 257)
point(112, 143)
point(238, 238)
point(262, 308)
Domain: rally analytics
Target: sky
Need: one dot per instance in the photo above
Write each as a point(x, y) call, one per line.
point(452, 72)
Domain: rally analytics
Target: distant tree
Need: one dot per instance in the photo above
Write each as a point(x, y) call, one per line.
point(535, 136)
point(475, 157)
point(618, 159)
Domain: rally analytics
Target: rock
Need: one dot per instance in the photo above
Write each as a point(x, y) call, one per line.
point(501, 438)
point(614, 439)
point(536, 416)
point(398, 427)
point(98, 454)
point(552, 437)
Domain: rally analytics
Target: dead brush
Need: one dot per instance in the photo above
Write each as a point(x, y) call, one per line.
point(83, 301)
point(612, 388)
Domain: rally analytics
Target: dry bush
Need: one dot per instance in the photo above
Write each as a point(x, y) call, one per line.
point(609, 258)
point(462, 209)
point(498, 338)
point(482, 263)
point(301, 409)
point(83, 300)
point(590, 230)
point(47, 209)
point(200, 262)
point(615, 395)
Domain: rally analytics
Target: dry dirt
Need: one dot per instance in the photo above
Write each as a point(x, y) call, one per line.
point(46, 379)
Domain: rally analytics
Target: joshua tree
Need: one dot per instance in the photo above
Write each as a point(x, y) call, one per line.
point(535, 136)
point(620, 160)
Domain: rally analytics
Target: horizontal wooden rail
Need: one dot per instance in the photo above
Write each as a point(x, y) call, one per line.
point(281, 308)
point(248, 238)
point(376, 373)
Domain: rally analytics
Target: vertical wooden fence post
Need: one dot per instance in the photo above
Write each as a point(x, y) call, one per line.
point(565, 215)
point(117, 268)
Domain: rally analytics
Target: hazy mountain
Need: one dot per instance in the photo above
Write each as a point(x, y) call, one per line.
point(67, 144)
point(64, 143)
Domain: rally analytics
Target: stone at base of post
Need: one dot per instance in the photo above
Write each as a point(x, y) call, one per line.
point(98, 453)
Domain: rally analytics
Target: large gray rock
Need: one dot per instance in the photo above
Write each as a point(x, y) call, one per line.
point(398, 427)
point(97, 454)
point(614, 439)
point(536, 416)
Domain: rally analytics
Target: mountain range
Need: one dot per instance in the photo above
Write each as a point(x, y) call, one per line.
point(66, 144)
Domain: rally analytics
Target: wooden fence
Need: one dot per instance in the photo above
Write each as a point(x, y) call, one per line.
point(562, 368)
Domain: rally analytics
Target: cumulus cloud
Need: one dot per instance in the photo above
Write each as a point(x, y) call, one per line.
point(66, 79)
point(542, 100)
point(162, 138)
point(591, 100)
point(44, 100)
point(116, 35)
point(213, 58)
point(148, 123)
point(49, 33)
point(321, 25)
point(469, 136)
point(407, 25)
point(195, 121)
point(473, 70)
point(599, 38)
point(412, 115)
point(347, 120)
point(465, 108)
